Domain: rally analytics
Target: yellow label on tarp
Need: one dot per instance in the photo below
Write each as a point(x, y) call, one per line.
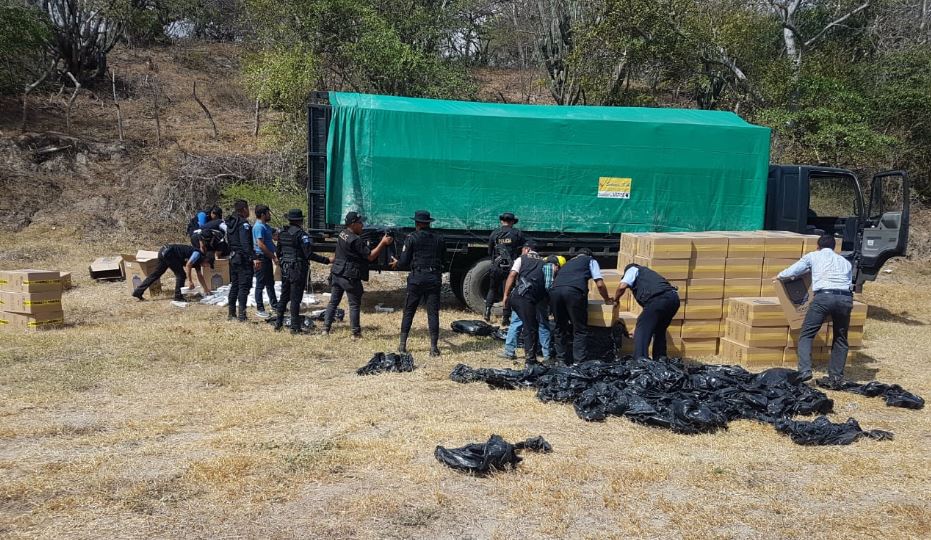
point(613, 188)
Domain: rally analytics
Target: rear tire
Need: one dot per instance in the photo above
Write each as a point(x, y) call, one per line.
point(456, 277)
point(475, 285)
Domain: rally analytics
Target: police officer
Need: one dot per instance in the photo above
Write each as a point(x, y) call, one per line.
point(524, 291)
point(569, 302)
point(350, 269)
point(504, 246)
point(242, 260)
point(180, 258)
point(423, 254)
point(660, 302)
point(295, 250)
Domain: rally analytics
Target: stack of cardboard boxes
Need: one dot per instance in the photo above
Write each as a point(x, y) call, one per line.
point(710, 269)
point(30, 299)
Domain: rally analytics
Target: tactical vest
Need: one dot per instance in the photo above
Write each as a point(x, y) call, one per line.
point(426, 256)
point(289, 239)
point(233, 226)
point(575, 273)
point(648, 284)
point(531, 282)
point(347, 263)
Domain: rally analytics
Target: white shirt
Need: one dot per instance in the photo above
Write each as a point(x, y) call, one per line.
point(630, 276)
point(829, 271)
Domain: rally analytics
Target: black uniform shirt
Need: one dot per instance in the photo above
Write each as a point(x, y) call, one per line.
point(424, 251)
point(509, 236)
point(295, 245)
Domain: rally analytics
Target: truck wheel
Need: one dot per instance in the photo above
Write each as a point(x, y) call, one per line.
point(455, 283)
point(475, 285)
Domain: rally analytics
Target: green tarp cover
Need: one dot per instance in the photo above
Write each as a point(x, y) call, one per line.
point(559, 169)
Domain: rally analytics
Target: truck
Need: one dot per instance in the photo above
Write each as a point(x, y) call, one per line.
point(576, 176)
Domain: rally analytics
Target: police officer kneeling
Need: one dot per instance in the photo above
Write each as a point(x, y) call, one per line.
point(660, 303)
point(350, 269)
point(424, 252)
point(524, 298)
point(295, 251)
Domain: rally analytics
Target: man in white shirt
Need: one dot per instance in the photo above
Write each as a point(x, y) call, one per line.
point(831, 278)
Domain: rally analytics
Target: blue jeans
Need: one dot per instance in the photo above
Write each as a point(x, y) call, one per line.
point(265, 280)
point(510, 343)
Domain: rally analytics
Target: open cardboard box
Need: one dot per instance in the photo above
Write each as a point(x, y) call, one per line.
point(795, 296)
point(137, 267)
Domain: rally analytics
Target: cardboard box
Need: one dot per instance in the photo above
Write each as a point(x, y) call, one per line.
point(66, 280)
point(623, 259)
point(756, 336)
point(217, 276)
point(664, 246)
point(629, 320)
point(675, 348)
point(772, 267)
point(795, 297)
point(30, 302)
point(107, 268)
point(757, 311)
point(741, 287)
point(137, 267)
point(752, 356)
point(745, 246)
point(30, 281)
point(707, 268)
point(811, 243)
point(629, 243)
point(699, 348)
point(822, 339)
point(31, 321)
point(701, 328)
point(681, 285)
point(674, 331)
point(767, 287)
point(782, 246)
point(601, 314)
point(821, 354)
point(743, 268)
point(705, 289)
point(703, 309)
point(858, 314)
point(670, 269)
point(709, 246)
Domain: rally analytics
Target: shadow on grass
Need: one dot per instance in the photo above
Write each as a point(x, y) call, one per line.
point(883, 314)
point(859, 366)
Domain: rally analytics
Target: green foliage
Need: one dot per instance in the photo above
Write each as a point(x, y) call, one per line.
point(282, 78)
point(279, 195)
point(23, 41)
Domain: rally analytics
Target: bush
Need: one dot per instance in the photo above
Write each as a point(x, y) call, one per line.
point(280, 195)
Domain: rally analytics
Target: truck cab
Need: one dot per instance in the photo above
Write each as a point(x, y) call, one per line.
point(873, 226)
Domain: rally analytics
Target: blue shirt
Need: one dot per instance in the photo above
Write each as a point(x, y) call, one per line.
point(263, 232)
point(829, 271)
point(201, 219)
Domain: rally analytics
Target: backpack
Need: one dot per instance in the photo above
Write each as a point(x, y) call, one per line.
point(214, 239)
point(503, 258)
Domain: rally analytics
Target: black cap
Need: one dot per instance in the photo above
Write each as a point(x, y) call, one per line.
point(507, 216)
point(422, 216)
point(530, 244)
point(354, 217)
point(295, 214)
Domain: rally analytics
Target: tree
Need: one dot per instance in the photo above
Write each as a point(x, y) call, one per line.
point(83, 33)
point(22, 45)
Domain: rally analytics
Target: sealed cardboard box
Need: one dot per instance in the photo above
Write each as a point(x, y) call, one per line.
point(664, 246)
point(757, 311)
point(623, 259)
point(772, 267)
point(674, 330)
point(671, 269)
point(811, 243)
point(217, 276)
point(752, 356)
point(741, 287)
point(768, 287)
point(782, 246)
point(675, 347)
point(822, 339)
point(30, 281)
point(756, 336)
point(705, 289)
point(31, 321)
point(637, 309)
point(107, 268)
point(629, 243)
point(709, 246)
point(699, 348)
point(858, 314)
point(707, 268)
point(30, 302)
point(137, 267)
point(701, 328)
point(703, 309)
point(743, 268)
point(795, 297)
point(601, 314)
point(681, 286)
point(745, 246)
point(821, 354)
point(66, 280)
point(612, 279)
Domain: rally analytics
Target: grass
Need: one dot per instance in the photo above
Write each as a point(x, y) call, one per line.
point(142, 419)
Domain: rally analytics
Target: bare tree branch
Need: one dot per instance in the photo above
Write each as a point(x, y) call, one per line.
point(77, 88)
point(119, 113)
point(216, 135)
point(31, 87)
point(836, 22)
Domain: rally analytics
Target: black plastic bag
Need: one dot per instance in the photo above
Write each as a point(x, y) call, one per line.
point(473, 328)
point(895, 395)
point(307, 323)
point(320, 315)
point(390, 362)
point(494, 455)
point(822, 431)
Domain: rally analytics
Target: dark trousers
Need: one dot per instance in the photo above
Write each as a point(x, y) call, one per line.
point(354, 290)
point(570, 309)
point(165, 261)
point(497, 278)
point(653, 323)
point(241, 272)
point(838, 308)
point(265, 281)
point(293, 281)
point(528, 312)
point(422, 288)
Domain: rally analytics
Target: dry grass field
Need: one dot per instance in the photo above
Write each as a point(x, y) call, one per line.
point(147, 420)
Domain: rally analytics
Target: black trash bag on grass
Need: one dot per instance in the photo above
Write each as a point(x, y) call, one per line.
point(822, 431)
point(390, 362)
point(494, 455)
point(473, 328)
point(895, 395)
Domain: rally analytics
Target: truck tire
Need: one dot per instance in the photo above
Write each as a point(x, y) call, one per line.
point(475, 285)
point(456, 279)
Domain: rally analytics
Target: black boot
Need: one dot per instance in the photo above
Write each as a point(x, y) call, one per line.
point(487, 316)
point(402, 346)
point(434, 350)
point(138, 294)
point(279, 321)
point(231, 314)
point(242, 314)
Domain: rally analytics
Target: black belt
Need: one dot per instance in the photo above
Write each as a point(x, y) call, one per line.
point(428, 270)
point(837, 292)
